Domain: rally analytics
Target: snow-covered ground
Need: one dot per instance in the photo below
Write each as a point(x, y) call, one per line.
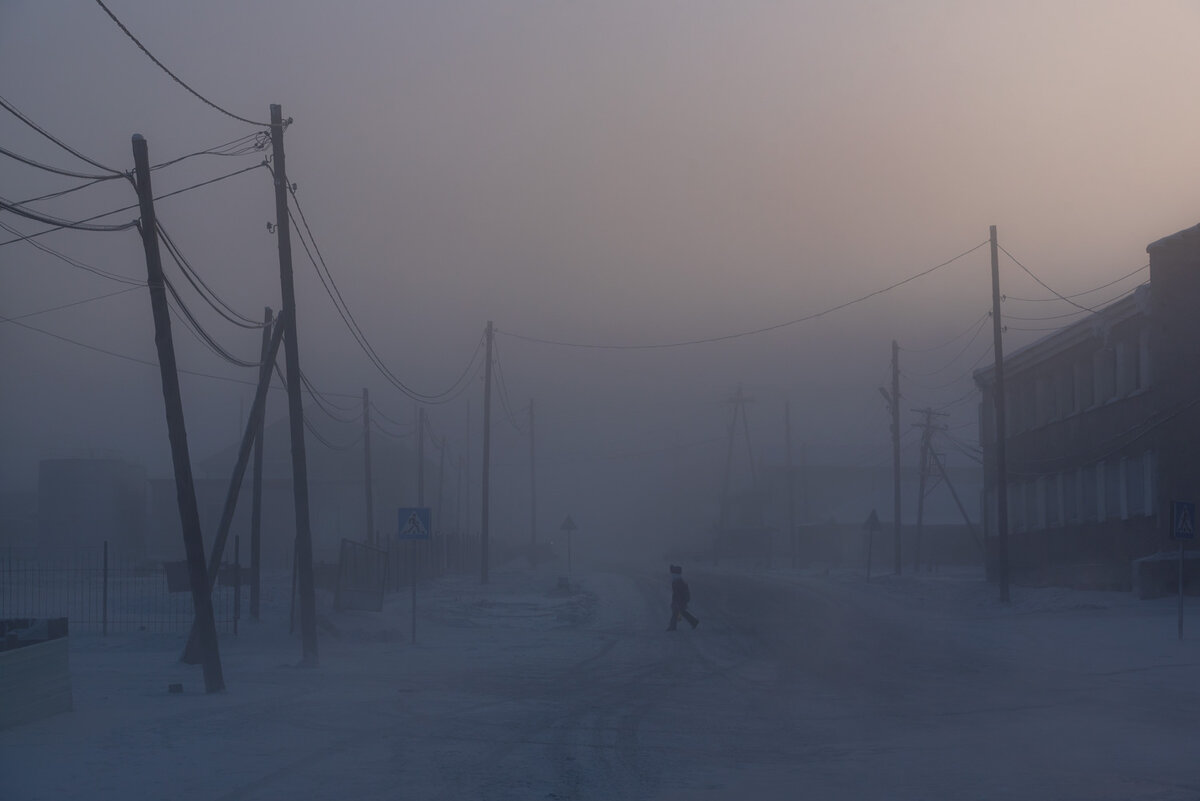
point(796, 685)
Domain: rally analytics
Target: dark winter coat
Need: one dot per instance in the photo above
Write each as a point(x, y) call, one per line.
point(680, 595)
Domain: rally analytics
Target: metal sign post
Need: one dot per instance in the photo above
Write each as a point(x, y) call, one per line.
point(415, 525)
point(568, 526)
point(1183, 527)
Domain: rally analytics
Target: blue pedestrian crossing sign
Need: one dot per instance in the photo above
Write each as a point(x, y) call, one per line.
point(1183, 520)
point(415, 523)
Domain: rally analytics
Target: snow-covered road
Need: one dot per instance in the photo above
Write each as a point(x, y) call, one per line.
point(793, 687)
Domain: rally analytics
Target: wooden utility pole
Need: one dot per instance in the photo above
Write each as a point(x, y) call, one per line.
point(937, 462)
point(791, 481)
point(487, 457)
point(1000, 428)
point(370, 486)
point(926, 442)
point(532, 487)
point(185, 489)
point(303, 549)
point(256, 491)
point(895, 400)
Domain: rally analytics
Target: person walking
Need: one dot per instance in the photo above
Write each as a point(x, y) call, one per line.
point(681, 596)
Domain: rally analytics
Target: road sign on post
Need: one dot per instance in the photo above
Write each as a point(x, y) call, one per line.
point(568, 526)
point(1183, 527)
point(415, 523)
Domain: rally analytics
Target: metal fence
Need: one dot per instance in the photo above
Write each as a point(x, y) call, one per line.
point(101, 592)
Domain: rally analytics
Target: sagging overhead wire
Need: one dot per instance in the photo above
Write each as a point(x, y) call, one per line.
point(953, 339)
point(28, 237)
point(174, 77)
point(1084, 292)
point(979, 326)
point(201, 333)
point(59, 224)
point(459, 385)
point(76, 263)
point(505, 400)
point(56, 170)
point(753, 332)
point(202, 288)
point(11, 109)
point(71, 305)
point(1043, 284)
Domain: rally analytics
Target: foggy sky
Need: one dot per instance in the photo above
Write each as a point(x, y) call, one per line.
point(612, 172)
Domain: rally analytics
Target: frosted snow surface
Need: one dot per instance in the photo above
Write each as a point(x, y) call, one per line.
point(794, 686)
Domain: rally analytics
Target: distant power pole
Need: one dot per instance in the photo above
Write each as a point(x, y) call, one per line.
point(283, 233)
point(370, 497)
point(1001, 428)
point(926, 442)
point(185, 489)
point(896, 449)
point(256, 493)
point(487, 457)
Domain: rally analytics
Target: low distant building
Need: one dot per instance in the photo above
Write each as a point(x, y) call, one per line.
point(88, 501)
point(1102, 418)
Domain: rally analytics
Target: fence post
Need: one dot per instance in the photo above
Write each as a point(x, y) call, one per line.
point(237, 581)
point(104, 595)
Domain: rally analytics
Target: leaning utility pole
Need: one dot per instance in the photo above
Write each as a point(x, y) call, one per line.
point(896, 449)
point(256, 492)
point(791, 480)
point(487, 457)
point(185, 489)
point(532, 486)
point(926, 442)
point(366, 401)
point(1001, 433)
point(303, 549)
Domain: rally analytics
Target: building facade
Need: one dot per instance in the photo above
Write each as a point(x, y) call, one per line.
point(1102, 421)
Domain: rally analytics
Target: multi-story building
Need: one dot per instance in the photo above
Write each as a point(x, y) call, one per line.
point(1102, 420)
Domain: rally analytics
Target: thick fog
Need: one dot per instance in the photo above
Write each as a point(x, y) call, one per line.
point(661, 207)
point(616, 174)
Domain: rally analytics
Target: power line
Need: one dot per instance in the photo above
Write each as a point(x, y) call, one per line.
point(73, 261)
point(952, 339)
point(1086, 291)
point(62, 192)
point(80, 225)
point(763, 330)
point(11, 109)
point(71, 305)
point(56, 170)
point(207, 293)
point(27, 237)
point(175, 77)
point(331, 289)
point(978, 329)
point(1043, 283)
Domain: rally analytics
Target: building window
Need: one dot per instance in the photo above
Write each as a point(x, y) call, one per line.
point(1029, 409)
point(1066, 392)
point(1104, 376)
point(1084, 388)
point(1070, 484)
point(1143, 373)
point(1113, 496)
point(1050, 488)
point(1127, 368)
point(1135, 487)
point(1088, 499)
point(1047, 399)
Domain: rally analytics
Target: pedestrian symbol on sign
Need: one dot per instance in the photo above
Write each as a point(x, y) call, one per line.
point(1183, 520)
point(414, 523)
